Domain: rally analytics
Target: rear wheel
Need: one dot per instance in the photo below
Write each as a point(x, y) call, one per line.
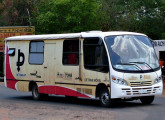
point(147, 99)
point(104, 96)
point(36, 95)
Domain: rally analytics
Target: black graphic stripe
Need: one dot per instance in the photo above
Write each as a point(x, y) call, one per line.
point(74, 84)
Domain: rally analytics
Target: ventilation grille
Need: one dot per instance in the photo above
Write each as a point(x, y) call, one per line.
point(140, 91)
point(143, 83)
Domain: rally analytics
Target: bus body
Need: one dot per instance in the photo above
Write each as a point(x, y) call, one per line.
point(105, 65)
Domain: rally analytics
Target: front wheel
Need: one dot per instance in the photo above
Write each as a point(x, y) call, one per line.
point(105, 100)
point(147, 99)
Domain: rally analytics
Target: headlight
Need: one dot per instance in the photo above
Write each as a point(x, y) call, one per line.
point(118, 80)
point(159, 79)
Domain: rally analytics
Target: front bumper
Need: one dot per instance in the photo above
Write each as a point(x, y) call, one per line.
point(120, 91)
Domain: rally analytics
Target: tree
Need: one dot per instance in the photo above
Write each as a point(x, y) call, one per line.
point(57, 16)
point(15, 12)
point(141, 16)
point(60, 16)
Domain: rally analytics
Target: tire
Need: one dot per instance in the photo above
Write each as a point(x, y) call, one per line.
point(36, 95)
point(104, 97)
point(147, 100)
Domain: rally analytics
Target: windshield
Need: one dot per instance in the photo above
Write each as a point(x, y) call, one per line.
point(132, 53)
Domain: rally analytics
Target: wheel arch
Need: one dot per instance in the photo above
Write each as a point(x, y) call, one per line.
point(31, 83)
point(99, 87)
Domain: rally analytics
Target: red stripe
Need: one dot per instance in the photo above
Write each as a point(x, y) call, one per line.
point(11, 84)
point(57, 90)
point(9, 75)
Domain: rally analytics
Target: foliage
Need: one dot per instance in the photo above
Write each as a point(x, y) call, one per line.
point(61, 16)
point(58, 16)
point(146, 16)
point(15, 12)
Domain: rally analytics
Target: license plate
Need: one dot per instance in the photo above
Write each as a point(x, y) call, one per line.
point(142, 91)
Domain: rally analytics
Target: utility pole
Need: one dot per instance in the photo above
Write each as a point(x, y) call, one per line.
point(29, 16)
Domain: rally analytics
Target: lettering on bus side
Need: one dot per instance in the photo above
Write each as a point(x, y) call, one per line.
point(21, 60)
point(35, 74)
point(67, 76)
point(106, 80)
point(92, 80)
point(21, 75)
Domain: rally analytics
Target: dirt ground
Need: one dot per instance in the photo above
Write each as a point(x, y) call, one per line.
point(49, 112)
point(22, 107)
point(23, 110)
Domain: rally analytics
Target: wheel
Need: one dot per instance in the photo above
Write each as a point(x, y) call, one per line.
point(104, 96)
point(35, 93)
point(147, 99)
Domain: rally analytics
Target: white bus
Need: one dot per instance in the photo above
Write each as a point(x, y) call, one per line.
point(104, 65)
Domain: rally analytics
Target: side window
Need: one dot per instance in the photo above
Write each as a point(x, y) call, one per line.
point(70, 52)
point(95, 56)
point(36, 55)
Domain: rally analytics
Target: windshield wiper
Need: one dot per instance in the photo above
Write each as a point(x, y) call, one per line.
point(131, 64)
point(143, 63)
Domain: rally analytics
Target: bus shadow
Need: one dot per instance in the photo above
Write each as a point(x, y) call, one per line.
point(82, 102)
point(129, 104)
point(59, 100)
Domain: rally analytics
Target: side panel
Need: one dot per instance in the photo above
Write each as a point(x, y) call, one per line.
point(70, 80)
point(18, 67)
point(59, 79)
point(50, 60)
point(52, 77)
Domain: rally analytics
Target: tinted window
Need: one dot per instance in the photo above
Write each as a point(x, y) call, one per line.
point(71, 52)
point(36, 55)
point(95, 56)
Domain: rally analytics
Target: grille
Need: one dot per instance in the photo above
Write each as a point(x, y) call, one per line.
point(140, 91)
point(136, 91)
point(143, 83)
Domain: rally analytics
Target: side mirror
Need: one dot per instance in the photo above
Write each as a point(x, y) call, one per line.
point(11, 52)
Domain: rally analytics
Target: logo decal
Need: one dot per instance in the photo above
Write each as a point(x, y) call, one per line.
point(20, 61)
point(141, 77)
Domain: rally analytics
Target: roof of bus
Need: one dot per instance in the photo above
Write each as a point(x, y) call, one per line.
point(70, 35)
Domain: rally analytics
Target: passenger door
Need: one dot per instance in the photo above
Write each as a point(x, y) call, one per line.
point(49, 69)
point(96, 68)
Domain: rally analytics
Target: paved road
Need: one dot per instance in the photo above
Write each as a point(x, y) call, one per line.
point(16, 105)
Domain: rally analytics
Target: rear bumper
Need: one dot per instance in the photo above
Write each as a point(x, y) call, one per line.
point(120, 91)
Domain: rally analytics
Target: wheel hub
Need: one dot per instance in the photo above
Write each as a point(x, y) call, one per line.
point(105, 98)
